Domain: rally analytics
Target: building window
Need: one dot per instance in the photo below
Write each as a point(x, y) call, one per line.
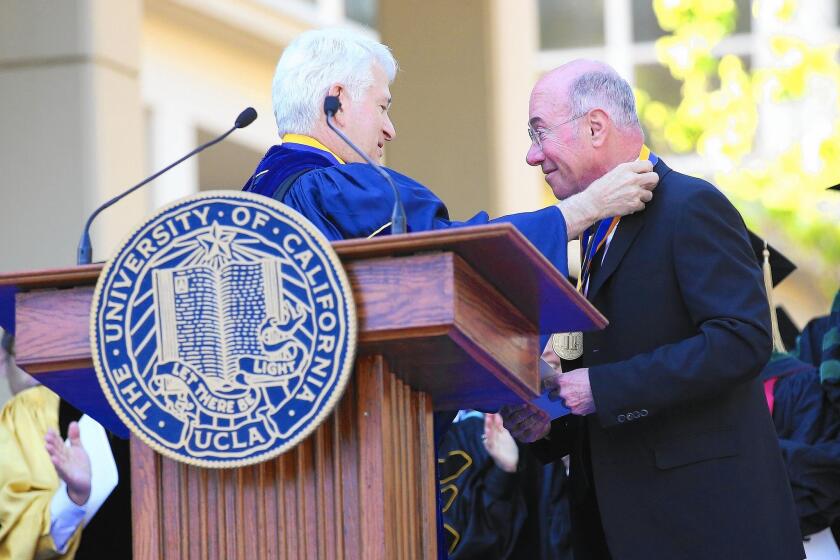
point(571, 23)
point(362, 11)
point(657, 81)
point(646, 27)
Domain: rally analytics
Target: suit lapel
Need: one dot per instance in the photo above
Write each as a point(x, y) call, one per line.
point(628, 229)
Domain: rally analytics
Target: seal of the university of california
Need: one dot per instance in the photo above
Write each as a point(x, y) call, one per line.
point(223, 331)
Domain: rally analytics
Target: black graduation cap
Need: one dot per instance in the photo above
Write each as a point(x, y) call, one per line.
point(781, 267)
point(787, 328)
point(776, 268)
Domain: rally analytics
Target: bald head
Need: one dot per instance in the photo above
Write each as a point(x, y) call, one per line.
point(562, 76)
point(590, 84)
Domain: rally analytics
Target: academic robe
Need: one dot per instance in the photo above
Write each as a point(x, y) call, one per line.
point(28, 479)
point(108, 534)
point(808, 426)
point(489, 514)
point(806, 412)
point(346, 201)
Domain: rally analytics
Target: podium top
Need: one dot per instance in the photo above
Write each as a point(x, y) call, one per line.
point(514, 267)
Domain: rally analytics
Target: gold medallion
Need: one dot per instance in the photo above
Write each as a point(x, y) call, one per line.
point(567, 346)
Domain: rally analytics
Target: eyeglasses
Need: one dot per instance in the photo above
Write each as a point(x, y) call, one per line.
point(537, 136)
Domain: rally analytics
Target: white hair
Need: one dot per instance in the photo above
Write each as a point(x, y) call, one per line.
point(603, 89)
point(312, 63)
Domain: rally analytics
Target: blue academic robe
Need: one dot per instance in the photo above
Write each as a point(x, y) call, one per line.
point(351, 200)
point(806, 414)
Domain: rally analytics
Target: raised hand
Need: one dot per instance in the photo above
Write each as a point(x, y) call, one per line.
point(500, 444)
point(71, 462)
point(623, 190)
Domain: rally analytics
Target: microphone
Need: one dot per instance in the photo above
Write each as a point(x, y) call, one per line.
point(331, 107)
point(84, 252)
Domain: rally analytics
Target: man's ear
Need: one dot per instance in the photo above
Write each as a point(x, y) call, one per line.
point(338, 90)
point(599, 124)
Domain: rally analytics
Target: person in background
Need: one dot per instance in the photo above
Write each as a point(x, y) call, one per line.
point(49, 488)
point(802, 387)
point(498, 501)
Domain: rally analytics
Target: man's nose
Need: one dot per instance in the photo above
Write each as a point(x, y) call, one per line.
point(535, 155)
point(389, 129)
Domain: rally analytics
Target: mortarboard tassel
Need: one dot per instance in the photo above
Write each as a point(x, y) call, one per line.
point(778, 345)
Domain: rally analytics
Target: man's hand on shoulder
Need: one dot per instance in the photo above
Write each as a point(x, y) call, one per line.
point(526, 422)
point(623, 190)
point(574, 389)
point(71, 463)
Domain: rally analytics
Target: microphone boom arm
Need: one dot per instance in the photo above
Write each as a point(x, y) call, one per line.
point(85, 252)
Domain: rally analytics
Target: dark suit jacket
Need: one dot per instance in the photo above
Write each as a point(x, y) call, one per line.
point(681, 453)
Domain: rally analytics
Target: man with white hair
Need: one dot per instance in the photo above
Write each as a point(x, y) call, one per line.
point(317, 174)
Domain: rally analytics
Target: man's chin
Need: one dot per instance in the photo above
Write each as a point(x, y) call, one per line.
point(562, 192)
point(375, 155)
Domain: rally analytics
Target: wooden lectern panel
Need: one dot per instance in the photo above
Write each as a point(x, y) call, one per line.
point(362, 486)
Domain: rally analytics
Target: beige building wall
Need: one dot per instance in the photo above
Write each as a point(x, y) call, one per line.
point(461, 100)
point(72, 125)
point(196, 78)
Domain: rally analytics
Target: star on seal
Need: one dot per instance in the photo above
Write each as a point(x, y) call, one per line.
point(216, 243)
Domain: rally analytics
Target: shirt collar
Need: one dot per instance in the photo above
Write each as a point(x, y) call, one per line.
point(309, 141)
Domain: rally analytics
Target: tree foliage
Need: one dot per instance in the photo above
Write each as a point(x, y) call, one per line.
point(725, 109)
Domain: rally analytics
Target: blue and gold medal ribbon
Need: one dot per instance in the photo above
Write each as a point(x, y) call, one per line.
point(594, 237)
point(648, 155)
point(569, 346)
point(591, 245)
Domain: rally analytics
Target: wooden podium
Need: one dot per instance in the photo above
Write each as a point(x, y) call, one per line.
point(447, 320)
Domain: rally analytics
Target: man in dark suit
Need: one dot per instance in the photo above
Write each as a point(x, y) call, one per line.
point(673, 452)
